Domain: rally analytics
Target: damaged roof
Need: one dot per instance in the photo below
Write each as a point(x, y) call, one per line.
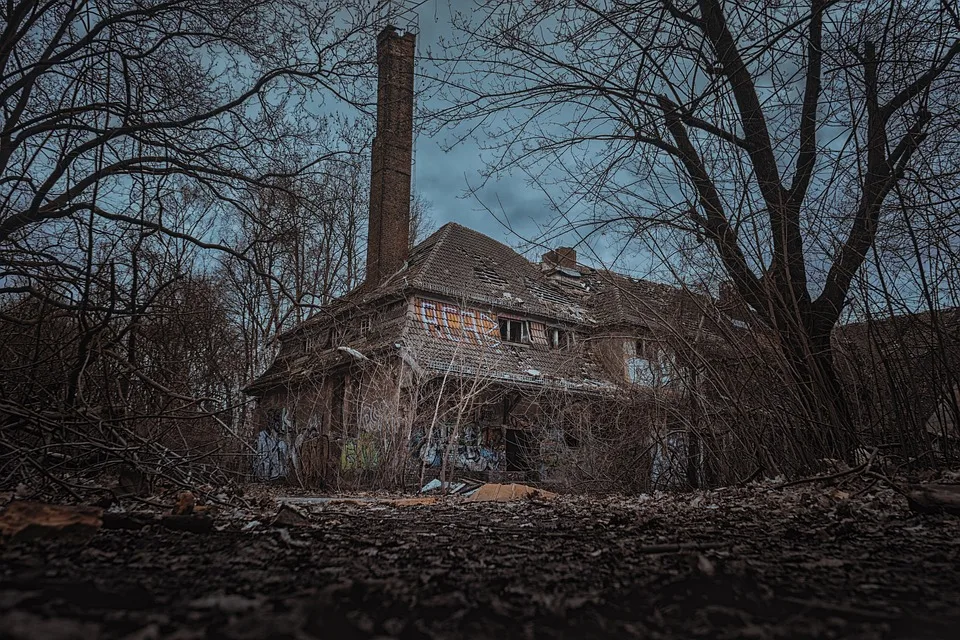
point(469, 269)
point(463, 264)
point(573, 368)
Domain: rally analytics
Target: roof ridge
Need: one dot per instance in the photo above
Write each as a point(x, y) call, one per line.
point(442, 232)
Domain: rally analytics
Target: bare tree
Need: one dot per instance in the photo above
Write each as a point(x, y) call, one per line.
point(95, 90)
point(136, 136)
point(300, 249)
point(773, 133)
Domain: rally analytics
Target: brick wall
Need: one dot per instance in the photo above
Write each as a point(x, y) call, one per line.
point(389, 232)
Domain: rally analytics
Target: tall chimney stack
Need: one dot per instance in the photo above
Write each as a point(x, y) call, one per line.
point(388, 236)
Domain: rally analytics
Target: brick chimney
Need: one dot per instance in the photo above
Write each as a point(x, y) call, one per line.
point(561, 257)
point(388, 235)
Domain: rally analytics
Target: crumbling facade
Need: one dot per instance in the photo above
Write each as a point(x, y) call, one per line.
point(461, 354)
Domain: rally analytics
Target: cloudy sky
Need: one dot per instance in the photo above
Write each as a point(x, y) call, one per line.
point(507, 209)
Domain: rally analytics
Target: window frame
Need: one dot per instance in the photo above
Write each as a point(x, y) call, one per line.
point(506, 323)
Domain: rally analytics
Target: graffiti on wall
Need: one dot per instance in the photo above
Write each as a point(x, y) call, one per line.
point(273, 451)
point(359, 454)
point(450, 322)
point(377, 418)
point(477, 448)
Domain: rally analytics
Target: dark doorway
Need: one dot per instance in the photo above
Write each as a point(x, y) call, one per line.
point(519, 450)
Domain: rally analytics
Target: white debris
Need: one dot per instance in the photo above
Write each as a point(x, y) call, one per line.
point(353, 352)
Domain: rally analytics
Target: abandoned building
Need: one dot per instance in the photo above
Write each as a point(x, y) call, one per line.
point(461, 354)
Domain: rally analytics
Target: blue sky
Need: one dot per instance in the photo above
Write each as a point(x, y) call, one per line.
point(508, 208)
point(444, 176)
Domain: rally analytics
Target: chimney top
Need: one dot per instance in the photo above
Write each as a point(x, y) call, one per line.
point(391, 31)
point(565, 257)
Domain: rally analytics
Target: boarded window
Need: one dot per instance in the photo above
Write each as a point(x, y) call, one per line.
point(450, 322)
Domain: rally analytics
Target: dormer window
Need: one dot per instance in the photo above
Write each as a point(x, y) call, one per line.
point(512, 330)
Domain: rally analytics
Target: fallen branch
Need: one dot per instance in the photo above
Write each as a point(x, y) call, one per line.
point(860, 468)
point(934, 498)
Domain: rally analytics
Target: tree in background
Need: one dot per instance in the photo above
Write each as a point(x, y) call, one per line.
point(139, 141)
point(774, 133)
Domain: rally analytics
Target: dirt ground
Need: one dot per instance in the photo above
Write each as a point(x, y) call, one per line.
point(805, 562)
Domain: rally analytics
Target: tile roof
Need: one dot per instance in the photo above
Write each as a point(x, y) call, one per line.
point(473, 270)
point(461, 263)
point(573, 368)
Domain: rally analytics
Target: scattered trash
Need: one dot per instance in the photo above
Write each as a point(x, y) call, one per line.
point(433, 485)
point(23, 520)
point(509, 493)
point(454, 488)
point(463, 488)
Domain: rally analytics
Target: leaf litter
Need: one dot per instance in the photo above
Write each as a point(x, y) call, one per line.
point(763, 561)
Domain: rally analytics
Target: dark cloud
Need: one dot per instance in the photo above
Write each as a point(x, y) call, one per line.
point(506, 208)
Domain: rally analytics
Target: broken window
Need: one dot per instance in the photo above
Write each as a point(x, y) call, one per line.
point(560, 339)
point(647, 362)
point(513, 330)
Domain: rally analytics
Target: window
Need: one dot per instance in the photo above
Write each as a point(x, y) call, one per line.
point(513, 330)
point(365, 324)
point(647, 363)
point(560, 339)
point(647, 348)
